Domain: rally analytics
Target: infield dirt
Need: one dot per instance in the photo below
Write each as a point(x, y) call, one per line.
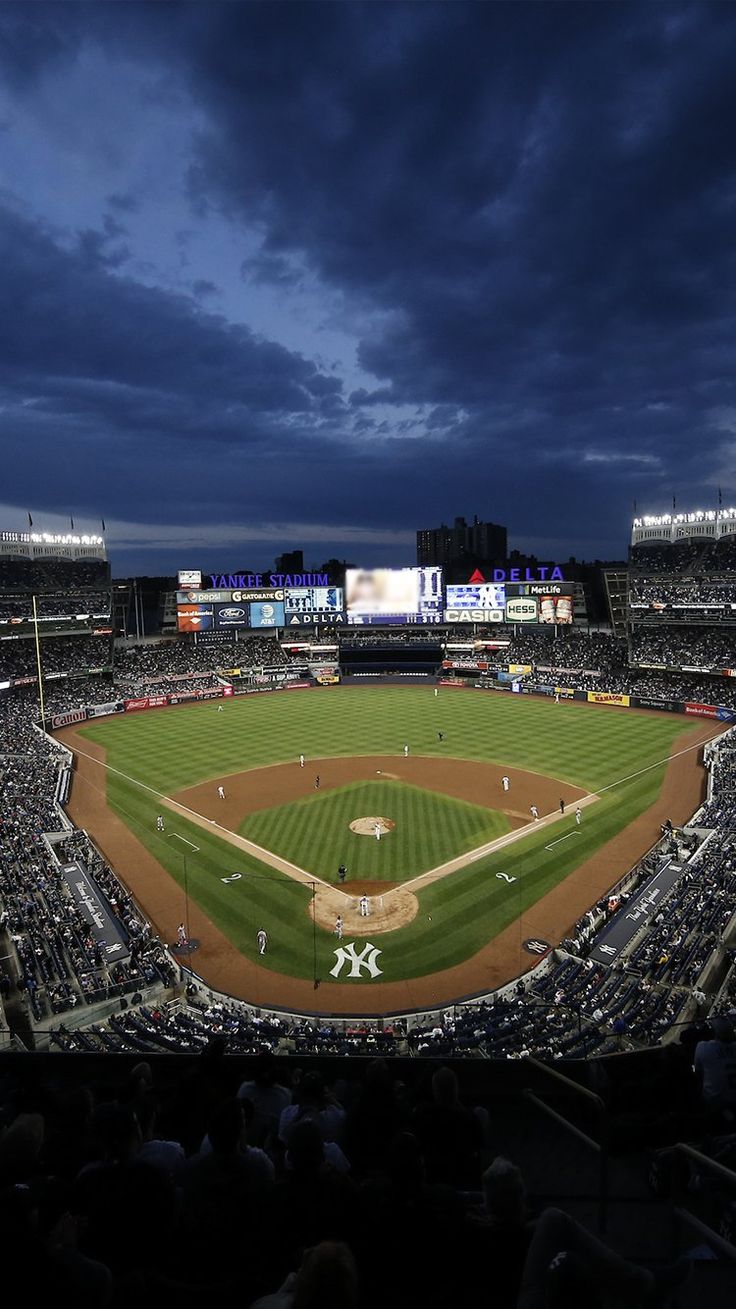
point(224, 968)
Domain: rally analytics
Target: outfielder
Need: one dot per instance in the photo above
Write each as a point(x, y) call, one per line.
point(160, 823)
point(578, 816)
point(262, 940)
point(406, 751)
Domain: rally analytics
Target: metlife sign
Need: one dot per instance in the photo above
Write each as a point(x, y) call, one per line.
point(316, 618)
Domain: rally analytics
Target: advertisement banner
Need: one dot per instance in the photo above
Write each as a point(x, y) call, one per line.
point(522, 609)
point(567, 693)
point(71, 716)
point(103, 927)
point(103, 710)
point(298, 686)
point(146, 702)
point(182, 697)
point(327, 679)
point(646, 702)
point(226, 692)
point(194, 618)
point(608, 697)
point(267, 614)
point(315, 618)
point(466, 665)
point(520, 668)
point(232, 615)
point(555, 609)
point(474, 615)
point(701, 710)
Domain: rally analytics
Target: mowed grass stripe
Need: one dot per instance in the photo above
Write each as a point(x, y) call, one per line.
point(578, 743)
point(314, 832)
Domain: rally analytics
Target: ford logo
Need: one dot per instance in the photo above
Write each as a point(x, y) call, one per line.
point(232, 613)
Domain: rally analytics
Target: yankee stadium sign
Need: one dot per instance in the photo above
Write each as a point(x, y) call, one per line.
point(247, 581)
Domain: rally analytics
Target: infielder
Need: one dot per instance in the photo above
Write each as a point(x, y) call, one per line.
point(338, 927)
point(505, 783)
point(301, 760)
point(221, 792)
point(364, 908)
point(406, 751)
point(534, 812)
point(262, 940)
point(316, 782)
point(578, 816)
point(562, 805)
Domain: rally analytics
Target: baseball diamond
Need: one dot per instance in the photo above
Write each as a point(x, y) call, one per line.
point(453, 887)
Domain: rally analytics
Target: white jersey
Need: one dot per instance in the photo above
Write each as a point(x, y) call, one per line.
point(505, 783)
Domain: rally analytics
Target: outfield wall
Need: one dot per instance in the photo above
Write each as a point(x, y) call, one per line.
point(688, 707)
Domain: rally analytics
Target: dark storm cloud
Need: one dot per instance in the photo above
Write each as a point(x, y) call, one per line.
point(527, 209)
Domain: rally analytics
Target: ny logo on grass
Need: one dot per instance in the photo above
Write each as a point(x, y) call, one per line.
point(347, 954)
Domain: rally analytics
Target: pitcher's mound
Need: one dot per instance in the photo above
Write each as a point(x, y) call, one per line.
point(367, 826)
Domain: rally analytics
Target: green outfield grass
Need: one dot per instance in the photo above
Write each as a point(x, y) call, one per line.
point(169, 750)
point(430, 829)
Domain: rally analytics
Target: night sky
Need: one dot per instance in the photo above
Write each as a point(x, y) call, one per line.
point(317, 275)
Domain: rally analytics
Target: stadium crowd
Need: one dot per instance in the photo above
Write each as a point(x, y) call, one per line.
point(696, 647)
point(267, 1185)
point(59, 963)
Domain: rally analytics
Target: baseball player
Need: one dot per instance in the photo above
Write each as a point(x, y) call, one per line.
point(406, 752)
point(377, 830)
point(316, 782)
point(221, 792)
point(557, 697)
point(534, 812)
point(505, 783)
point(578, 815)
point(562, 805)
point(338, 927)
point(364, 908)
point(262, 940)
point(181, 936)
point(219, 708)
point(342, 873)
point(301, 760)
point(436, 692)
point(160, 823)
point(440, 736)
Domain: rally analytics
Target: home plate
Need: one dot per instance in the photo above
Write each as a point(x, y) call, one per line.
point(552, 844)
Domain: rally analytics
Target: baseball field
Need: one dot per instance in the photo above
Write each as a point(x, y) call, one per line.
point(449, 876)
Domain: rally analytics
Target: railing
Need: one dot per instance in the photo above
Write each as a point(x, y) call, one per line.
point(598, 1146)
point(682, 1216)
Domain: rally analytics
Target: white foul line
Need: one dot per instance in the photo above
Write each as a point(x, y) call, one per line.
point(191, 844)
point(561, 838)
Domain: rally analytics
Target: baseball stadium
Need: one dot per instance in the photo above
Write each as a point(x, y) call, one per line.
point(385, 814)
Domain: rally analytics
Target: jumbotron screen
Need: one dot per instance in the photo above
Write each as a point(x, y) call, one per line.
point(381, 596)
